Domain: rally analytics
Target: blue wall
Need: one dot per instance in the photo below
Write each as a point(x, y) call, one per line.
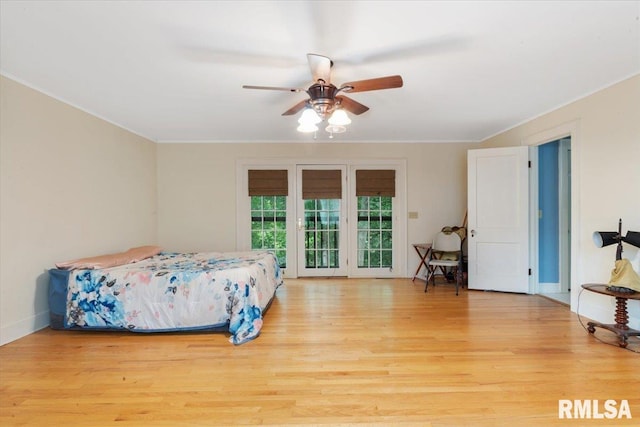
point(548, 224)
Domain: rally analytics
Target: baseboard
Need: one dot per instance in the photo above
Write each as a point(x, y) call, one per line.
point(24, 327)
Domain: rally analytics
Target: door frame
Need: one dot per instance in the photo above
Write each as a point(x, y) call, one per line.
point(343, 230)
point(243, 206)
point(399, 221)
point(569, 129)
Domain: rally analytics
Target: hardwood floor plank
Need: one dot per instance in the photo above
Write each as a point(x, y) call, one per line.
point(331, 352)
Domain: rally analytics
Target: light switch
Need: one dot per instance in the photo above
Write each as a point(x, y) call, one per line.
point(413, 215)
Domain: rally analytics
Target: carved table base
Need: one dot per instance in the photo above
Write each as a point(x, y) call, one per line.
point(620, 328)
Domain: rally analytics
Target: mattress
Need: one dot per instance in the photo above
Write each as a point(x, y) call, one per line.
point(169, 292)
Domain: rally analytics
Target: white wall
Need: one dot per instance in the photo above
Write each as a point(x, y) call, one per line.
point(606, 155)
point(197, 187)
point(72, 185)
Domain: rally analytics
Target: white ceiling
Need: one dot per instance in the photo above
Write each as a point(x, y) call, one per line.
point(174, 70)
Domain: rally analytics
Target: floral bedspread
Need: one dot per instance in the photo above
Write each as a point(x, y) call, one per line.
point(177, 291)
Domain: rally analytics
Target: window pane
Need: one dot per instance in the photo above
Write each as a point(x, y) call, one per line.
point(374, 203)
point(256, 240)
point(387, 259)
point(374, 239)
point(363, 203)
point(334, 260)
point(310, 258)
point(281, 240)
point(363, 259)
point(387, 240)
point(256, 203)
point(374, 259)
point(268, 203)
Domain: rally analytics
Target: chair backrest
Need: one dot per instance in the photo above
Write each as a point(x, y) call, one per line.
point(447, 242)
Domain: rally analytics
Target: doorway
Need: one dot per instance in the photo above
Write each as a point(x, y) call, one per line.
point(321, 220)
point(554, 220)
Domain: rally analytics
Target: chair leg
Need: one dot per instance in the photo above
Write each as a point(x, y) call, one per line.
point(430, 274)
point(458, 278)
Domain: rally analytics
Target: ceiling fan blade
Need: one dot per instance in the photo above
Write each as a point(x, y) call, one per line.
point(293, 110)
point(320, 67)
point(208, 54)
point(352, 106)
point(448, 43)
point(389, 82)
point(287, 89)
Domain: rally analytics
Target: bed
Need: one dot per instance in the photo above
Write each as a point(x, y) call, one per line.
point(166, 292)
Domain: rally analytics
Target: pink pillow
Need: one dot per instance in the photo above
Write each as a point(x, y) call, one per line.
point(111, 260)
point(102, 261)
point(142, 252)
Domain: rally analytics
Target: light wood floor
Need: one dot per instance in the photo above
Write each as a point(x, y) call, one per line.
point(332, 352)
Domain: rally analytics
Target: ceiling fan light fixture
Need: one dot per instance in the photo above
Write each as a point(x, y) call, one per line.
point(309, 117)
point(335, 129)
point(339, 118)
point(307, 127)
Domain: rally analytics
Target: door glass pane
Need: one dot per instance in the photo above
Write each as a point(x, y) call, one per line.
point(269, 225)
point(322, 228)
point(375, 232)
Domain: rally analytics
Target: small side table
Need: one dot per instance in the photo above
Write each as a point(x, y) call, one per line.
point(620, 328)
point(423, 250)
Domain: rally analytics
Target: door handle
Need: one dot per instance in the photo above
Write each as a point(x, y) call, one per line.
point(473, 233)
point(300, 224)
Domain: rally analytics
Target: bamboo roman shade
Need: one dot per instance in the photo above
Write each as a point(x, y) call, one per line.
point(376, 182)
point(268, 182)
point(321, 184)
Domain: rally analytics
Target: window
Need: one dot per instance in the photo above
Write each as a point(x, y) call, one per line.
point(268, 190)
point(375, 232)
point(269, 225)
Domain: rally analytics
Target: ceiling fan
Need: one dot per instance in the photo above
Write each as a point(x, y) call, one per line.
point(324, 97)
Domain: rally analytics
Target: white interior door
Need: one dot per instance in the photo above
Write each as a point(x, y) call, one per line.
point(498, 221)
point(321, 228)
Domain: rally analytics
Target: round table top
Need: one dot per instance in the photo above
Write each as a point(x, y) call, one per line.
point(603, 289)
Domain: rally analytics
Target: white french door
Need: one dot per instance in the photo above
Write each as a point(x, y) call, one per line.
point(321, 227)
point(498, 227)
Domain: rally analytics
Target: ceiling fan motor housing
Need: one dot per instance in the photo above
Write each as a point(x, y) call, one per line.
point(322, 97)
